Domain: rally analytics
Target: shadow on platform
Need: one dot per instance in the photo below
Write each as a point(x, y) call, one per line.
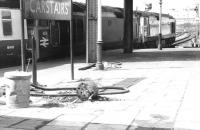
point(13, 122)
point(142, 55)
point(153, 55)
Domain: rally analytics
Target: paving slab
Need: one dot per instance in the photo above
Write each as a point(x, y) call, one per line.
point(30, 124)
point(6, 121)
point(59, 127)
point(1, 128)
point(188, 117)
point(99, 126)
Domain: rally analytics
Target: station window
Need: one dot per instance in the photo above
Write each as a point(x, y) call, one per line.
point(145, 20)
point(7, 23)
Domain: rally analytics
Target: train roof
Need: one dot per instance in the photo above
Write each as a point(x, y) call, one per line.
point(80, 7)
point(117, 12)
point(145, 14)
point(12, 4)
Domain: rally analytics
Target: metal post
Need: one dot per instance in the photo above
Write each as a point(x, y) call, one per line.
point(22, 36)
point(87, 30)
point(71, 43)
point(99, 64)
point(34, 59)
point(198, 20)
point(128, 26)
point(197, 24)
point(91, 31)
point(160, 28)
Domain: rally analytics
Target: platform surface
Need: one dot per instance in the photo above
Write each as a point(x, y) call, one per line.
point(164, 94)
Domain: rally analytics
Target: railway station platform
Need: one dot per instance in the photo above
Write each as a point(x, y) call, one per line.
point(164, 94)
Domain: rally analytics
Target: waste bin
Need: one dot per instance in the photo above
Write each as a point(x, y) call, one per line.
point(17, 89)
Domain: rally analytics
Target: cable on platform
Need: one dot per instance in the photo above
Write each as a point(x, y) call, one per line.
point(84, 91)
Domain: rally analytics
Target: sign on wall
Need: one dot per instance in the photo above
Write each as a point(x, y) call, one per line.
point(44, 38)
point(48, 9)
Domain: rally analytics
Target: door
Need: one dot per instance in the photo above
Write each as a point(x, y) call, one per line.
point(55, 33)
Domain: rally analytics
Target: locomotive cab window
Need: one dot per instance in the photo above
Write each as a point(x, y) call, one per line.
point(6, 23)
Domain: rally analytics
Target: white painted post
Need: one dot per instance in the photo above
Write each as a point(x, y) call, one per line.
point(99, 64)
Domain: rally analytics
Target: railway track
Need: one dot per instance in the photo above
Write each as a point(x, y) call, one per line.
point(179, 34)
point(182, 38)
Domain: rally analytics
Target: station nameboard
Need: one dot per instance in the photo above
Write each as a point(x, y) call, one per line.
point(48, 9)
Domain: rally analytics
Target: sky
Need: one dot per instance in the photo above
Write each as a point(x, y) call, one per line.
point(181, 8)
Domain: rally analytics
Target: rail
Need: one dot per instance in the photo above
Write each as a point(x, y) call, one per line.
point(182, 38)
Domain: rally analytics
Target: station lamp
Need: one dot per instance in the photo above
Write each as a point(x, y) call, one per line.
point(99, 64)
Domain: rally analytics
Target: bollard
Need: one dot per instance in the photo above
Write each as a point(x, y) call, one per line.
point(17, 89)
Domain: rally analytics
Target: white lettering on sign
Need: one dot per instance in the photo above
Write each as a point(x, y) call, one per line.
point(49, 7)
point(44, 42)
point(10, 47)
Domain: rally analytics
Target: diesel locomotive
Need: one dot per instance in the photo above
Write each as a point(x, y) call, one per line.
point(53, 36)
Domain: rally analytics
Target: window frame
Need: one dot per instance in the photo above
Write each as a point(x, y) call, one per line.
point(7, 23)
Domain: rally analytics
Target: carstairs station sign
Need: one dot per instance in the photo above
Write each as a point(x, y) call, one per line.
point(48, 9)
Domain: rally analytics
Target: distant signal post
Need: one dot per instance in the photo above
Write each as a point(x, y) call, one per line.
point(160, 28)
point(197, 24)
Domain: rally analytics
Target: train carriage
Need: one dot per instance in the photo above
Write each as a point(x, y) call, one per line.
point(53, 36)
point(145, 31)
point(10, 33)
point(149, 29)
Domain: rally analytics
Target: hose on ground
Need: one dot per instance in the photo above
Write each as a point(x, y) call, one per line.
point(51, 95)
point(82, 91)
point(123, 90)
point(52, 89)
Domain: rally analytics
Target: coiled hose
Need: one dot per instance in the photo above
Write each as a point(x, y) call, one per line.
point(83, 94)
point(82, 91)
